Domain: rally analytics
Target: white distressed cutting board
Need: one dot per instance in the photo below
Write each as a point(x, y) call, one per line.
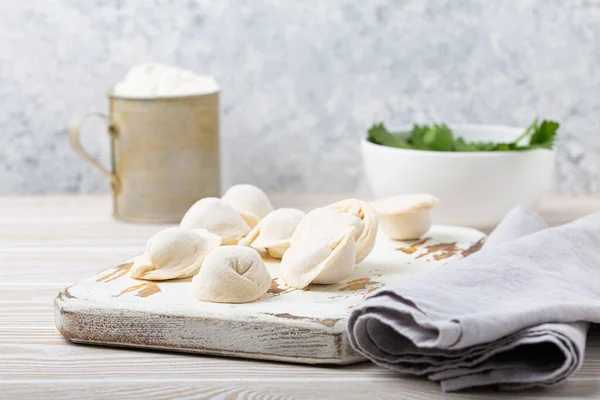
point(304, 326)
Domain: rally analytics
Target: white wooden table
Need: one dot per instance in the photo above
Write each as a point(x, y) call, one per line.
point(47, 243)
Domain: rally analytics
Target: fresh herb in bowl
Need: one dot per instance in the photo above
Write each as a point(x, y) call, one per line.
point(438, 137)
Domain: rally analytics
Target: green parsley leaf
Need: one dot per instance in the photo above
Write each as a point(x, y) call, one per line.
point(544, 135)
point(438, 137)
point(417, 136)
point(461, 145)
point(378, 134)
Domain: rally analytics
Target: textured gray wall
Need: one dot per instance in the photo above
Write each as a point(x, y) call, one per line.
point(301, 80)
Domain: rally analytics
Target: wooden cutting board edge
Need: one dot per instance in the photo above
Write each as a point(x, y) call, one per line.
point(90, 322)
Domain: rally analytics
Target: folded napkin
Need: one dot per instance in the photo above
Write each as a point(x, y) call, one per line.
point(515, 314)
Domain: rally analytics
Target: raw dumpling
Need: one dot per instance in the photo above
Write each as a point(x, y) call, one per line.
point(365, 238)
point(323, 223)
point(321, 260)
point(328, 243)
point(217, 217)
point(406, 217)
point(352, 212)
point(231, 274)
point(274, 232)
point(248, 200)
point(174, 253)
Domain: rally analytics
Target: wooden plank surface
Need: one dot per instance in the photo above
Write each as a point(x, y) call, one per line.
point(47, 243)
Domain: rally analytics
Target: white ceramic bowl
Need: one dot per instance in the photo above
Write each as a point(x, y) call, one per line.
point(475, 189)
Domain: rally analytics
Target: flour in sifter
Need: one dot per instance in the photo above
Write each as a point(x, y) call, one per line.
point(150, 80)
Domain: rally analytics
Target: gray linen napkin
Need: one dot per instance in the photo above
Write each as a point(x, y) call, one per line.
point(515, 314)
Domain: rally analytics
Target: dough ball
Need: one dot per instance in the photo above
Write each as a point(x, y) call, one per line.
point(174, 253)
point(406, 217)
point(217, 217)
point(231, 274)
point(274, 232)
point(249, 201)
point(321, 260)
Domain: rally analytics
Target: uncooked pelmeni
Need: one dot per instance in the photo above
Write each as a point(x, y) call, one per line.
point(174, 253)
point(320, 260)
point(348, 212)
point(365, 238)
point(231, 274)
point(406, 217)
point(323, 223)
point(274, 232)
point(217, 217)
point(248, 200)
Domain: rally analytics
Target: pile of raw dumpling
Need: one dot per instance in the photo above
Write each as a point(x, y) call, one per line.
point(221, 244)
